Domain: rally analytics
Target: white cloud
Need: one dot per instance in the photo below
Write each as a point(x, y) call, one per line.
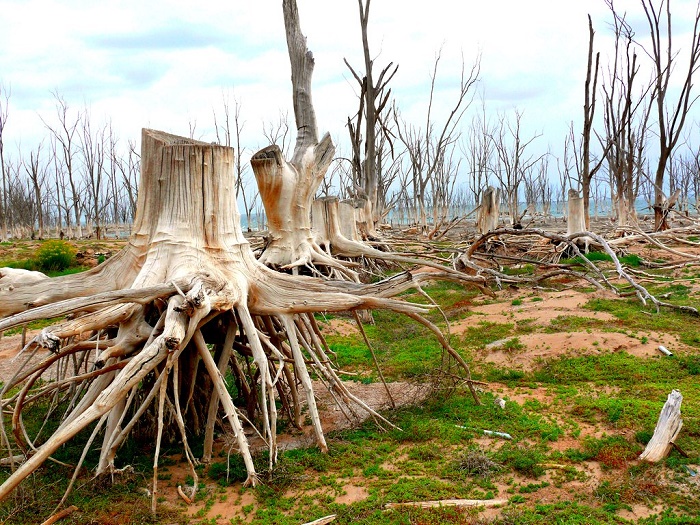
point(165, 64)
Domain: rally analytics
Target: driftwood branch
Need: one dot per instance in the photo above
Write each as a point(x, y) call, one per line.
point(449, 503)
point(322, 521)
point(60, 515)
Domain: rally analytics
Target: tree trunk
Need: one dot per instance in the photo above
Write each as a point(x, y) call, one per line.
point(576, 221)
point(489, 211)
point(287, 188)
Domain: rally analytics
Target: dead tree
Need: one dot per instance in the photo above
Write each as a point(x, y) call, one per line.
point(671, 115)
point(228, 133)
point(489, 210)
point(367, 150)
point(93, 153)
point(667, 429)
point(65, 134)
point(513, 161)
point(287, 188)
point(478, 152)
point(576, 216)
point(186, 279)
point(626, 118)
point(587, 171)
point(4, 103)
point(429, 148)
point(36, 169)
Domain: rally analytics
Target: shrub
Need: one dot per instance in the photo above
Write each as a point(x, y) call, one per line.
point(55, 256)
point(473, 463)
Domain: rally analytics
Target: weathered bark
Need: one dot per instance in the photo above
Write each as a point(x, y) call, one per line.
point(287, 188)
point(347, 221)
point(489, 211)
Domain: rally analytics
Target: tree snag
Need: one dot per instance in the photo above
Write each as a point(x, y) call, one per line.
point(287, 189)
point(667, 429)
point(489, 211)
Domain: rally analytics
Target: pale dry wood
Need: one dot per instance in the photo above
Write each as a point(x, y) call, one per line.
point(184, 496)
point(449, 503)
point(467, 260)
point(287, 188)
point(576, 217)
point(322, 521)
point(60, 515)
point(214, 402)
point(186, 266)
point(667, 429)
point(489, 210)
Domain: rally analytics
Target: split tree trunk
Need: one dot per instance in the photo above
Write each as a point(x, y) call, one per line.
point(287, 188)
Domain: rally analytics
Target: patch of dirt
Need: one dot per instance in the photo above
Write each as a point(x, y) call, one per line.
point(541, 347)
point(338, 326)
point(552, 305)
point(11, 361)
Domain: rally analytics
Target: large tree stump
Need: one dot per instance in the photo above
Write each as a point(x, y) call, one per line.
point(187, 284)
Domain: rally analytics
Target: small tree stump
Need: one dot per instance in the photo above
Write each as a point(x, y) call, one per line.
point(667, 429)
point(489, 211)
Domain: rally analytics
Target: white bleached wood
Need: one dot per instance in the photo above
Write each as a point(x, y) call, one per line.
point(667, 429)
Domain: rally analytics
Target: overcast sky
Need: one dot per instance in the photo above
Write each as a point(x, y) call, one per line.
point(166, 65)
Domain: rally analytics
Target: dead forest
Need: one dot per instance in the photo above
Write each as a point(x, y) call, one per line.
point(228, 262)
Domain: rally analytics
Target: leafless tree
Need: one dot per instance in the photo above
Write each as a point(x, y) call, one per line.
point(59, 197)
point(589, 166)
point(129, 169)
point(568, 169)
point(4, 111)
point(94, 156)
point(20, 199)
point(65, 134)
point(478, 151)
point(626, 118)
point(671, 114)
point(115, 198)
point(538, 190)
point(373, 116)
point(277, 132)
point(513, 160)
point(35, 169)
point(228, 133)
point(429, 148)
point(443, 186)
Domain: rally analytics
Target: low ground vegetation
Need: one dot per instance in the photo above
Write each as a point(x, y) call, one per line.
point(571, 374)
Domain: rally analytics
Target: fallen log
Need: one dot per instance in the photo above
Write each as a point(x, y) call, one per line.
point(449, 503)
